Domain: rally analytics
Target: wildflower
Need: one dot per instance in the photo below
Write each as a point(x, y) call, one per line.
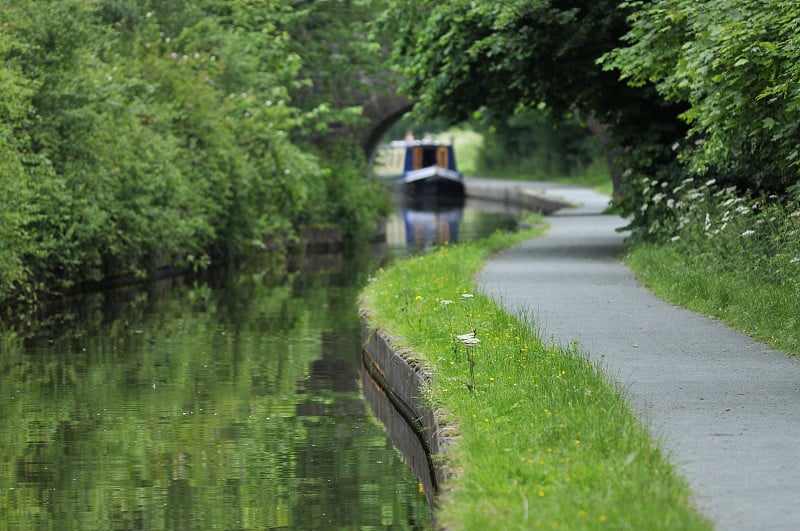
point(149, 14)
point(675, 238)
point(795, 214)
point(467, 295)
point(710, 182)
point(418, 298)
point(794, 261)
point(748, 232)
point(445, 302)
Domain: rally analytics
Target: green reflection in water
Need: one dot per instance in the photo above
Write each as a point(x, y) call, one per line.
point(202, 408)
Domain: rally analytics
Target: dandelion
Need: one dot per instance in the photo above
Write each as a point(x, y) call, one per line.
point(418, 298)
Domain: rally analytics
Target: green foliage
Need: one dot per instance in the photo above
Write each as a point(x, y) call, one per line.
point(137, 133)
point(727, 255)
point(528, 143)
point(736, 66)
point(753, 235)
point(494, 59)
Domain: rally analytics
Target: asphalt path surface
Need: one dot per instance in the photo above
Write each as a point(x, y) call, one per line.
point(725, 408)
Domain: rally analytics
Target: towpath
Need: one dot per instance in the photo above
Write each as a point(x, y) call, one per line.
point(725, 408)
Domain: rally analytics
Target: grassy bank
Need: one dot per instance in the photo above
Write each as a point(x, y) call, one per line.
point(734, 257)
point(767, 311)
point(546, 439)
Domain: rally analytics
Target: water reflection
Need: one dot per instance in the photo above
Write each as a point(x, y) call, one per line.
point(234, 406)
point(425, 222)
point(231, 403)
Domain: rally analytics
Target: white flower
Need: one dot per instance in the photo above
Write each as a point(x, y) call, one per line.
point(675, 238)
point(446, 302)
point(469, 339)
point(467, 295)
point(748, 233)
point(710, 182)
point(795, 214)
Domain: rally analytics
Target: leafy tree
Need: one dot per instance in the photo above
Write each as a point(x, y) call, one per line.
point(464, 57)
point(140, 133)
point(736, 65)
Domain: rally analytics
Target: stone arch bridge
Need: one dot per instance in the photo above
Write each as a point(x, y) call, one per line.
point(381, 111)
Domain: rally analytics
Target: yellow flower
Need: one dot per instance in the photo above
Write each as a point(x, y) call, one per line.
point(418, 297)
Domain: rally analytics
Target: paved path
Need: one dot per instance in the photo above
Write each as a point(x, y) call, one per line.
point(726, 409)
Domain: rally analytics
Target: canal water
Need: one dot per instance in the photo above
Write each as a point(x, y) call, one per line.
point(227, 403)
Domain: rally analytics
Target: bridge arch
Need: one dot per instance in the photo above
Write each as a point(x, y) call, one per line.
point(382, 112)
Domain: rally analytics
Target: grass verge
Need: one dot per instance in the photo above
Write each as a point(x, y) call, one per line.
point(768, 312)
point(595, 176)
point(546, 439)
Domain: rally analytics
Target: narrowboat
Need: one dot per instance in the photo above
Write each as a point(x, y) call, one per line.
point(428, 168)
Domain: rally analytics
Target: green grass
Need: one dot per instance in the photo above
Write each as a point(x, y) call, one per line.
point(595, 176)
point(768, 312)
point(546, 439)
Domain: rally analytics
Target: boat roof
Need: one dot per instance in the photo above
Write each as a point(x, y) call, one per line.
point(420, 142)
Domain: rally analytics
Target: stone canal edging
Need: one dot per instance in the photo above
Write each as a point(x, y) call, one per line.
point(394, 381)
